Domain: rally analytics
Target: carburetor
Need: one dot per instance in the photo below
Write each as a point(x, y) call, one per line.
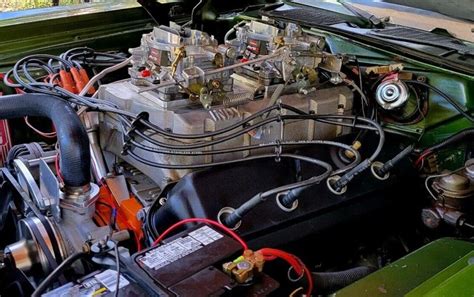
point(184, 58)
point(188, 84)
point(256, 38)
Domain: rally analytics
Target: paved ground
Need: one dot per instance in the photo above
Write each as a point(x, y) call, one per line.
point(423, 19)
point(455, 8)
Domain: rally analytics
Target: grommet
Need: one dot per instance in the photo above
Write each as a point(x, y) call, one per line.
point(281, 206)
point(375, 167)
point(294, 280)
point(227, 211)
point(330, 183)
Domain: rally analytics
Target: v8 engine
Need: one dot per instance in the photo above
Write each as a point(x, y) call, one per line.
point(193, 89)
point(209, 161)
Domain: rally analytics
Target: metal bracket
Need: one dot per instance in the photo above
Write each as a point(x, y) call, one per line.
point(49, 187)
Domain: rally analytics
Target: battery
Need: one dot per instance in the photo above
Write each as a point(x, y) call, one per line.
point(190, 264)
point(98, 283)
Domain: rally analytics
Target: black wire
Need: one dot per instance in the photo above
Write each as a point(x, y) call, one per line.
point(359, 73)
point(46, 63)
point(151, 228)
point(117, 261)
point(195, 166)
point(320, 118)
point(233, 218)
point(455, 138)
point(202, 144)
point(242, 123)
point(33, 85)
point(37, 63)
point(361, 86)
point(239, 124)
point(329, 119)
point(228, 150)
point(445, 96)
point(66, 54)
point(86, 53)
point(113, 215)
point(49, 280)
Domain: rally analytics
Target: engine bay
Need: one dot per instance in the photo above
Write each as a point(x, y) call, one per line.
point(275, 160)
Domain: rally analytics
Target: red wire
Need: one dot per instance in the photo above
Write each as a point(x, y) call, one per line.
point(41, 133)
point(58, 170)
point(201, 220)
point(270, 254)
point(421, 157)
point(298, 266)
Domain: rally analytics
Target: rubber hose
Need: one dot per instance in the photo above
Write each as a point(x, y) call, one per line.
point(332, 281)
point(453, 139)
point(72, 136)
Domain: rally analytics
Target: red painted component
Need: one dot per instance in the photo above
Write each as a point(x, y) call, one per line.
point(145, 73)
point(5, 141)
point(78, 80)
point(67, 81)
point(126, 213)
point(5, 138)
point(85, 78)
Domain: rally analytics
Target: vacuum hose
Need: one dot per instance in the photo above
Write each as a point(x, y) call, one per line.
point(461, 135)
point(72, 136)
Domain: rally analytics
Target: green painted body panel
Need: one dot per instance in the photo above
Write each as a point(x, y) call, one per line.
point(409, 272)
point(456, 280)
point(101, 27)
point(442, 120)
point(459, 87)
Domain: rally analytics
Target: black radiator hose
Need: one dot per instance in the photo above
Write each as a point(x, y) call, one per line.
point(72, 136)
point(328, 282)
